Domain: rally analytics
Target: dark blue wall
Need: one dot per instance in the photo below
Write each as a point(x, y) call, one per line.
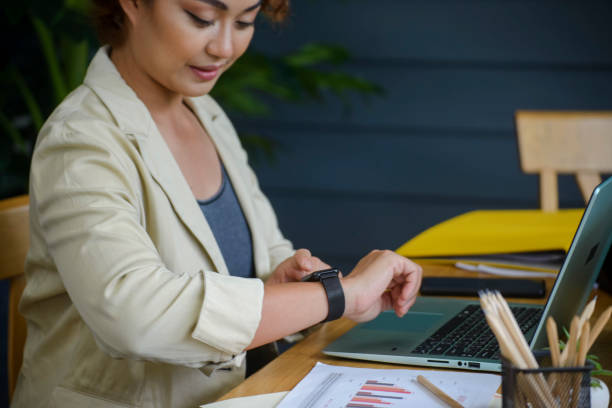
point(442, 140)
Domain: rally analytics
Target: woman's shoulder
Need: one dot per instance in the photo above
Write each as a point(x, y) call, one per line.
point(81, 106)
point(83, 113)
point(80, 130)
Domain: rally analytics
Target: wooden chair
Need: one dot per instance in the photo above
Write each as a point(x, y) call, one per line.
point(14, 230)
point(552, 143)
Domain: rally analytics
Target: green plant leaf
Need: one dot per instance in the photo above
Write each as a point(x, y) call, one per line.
point(338, 83)
point(595, 363)
point(245, 103)
point(259, 146)
point(75, 61)
point(79, 6)
point(28, 98)
point(46, 42)
point(595, 384)
point(254, 73)
point(302, 75)
point(315, 53)
point(567, 335)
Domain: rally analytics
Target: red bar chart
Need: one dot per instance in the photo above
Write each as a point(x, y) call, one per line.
point(375, 394)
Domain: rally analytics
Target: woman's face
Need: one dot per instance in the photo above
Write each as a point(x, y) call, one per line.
point(185, 45)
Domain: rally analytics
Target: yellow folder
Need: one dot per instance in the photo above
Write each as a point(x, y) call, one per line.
point(491, 232)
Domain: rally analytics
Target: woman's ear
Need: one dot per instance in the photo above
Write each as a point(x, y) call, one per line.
point(131, 8)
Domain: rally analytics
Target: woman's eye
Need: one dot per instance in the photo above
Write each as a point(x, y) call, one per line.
point(198, 20)
point(245, 24)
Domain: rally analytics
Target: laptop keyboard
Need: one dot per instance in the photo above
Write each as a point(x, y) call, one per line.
point(468, 334)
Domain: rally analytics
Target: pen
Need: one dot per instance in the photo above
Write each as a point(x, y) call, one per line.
point(438, 392)
point(496, 270)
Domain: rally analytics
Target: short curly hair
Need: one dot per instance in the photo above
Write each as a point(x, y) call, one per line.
point(108, 18)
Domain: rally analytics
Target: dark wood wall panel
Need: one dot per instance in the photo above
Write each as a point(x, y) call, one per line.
point(455, 99)
point(415, 165)
point(487, 31)
point(441, 140)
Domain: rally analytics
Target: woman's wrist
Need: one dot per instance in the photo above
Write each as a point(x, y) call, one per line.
point(348, 287)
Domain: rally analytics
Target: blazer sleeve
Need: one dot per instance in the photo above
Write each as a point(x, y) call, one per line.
point(90, 208)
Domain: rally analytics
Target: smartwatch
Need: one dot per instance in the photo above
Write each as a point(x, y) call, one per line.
point(335, 295)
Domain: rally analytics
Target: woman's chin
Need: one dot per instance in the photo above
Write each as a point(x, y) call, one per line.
point(198, 89)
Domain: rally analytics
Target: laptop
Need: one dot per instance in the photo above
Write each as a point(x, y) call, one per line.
point(453, 333)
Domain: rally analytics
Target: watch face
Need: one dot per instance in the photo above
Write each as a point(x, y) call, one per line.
point(328, 273)
point(320, 275)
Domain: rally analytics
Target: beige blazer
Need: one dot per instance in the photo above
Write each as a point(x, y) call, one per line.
point(128, 299)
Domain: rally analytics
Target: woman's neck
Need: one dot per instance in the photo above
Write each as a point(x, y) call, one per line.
point(159, 100)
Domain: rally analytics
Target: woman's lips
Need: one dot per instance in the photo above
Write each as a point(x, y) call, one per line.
point(205, 73)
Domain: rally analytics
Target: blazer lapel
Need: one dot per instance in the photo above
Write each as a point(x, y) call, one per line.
point(133, 117)
point(243, 193)
point(167, 173)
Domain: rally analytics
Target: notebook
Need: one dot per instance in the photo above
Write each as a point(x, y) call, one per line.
point(436, 331)
point(519, 239)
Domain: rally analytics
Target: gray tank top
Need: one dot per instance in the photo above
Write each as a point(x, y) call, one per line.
point(226, 219)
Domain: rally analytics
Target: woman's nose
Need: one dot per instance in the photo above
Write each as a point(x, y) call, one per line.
point(221, 45)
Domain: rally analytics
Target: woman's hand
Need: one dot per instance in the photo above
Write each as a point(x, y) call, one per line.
point(381, 280)
point(294, 268)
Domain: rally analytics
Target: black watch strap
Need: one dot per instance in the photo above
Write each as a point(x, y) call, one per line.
point(330, 280)
point(335, 297)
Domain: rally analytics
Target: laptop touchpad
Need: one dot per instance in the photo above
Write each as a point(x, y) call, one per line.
point(412, 322)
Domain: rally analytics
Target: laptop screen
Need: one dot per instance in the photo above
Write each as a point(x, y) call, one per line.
point(584, 260)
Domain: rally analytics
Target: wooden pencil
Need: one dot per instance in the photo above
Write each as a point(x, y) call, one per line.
point(586, 314)
point(553, 340)
point(599, 325)
point(553, 343)
point(583, 348)
point(588, 310)
point(438, 392)
point(569, 353)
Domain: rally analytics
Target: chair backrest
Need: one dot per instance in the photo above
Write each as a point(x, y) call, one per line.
point(15, 233)
point(562, 142)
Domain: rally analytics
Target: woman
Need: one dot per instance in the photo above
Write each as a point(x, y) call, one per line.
point(137, 294)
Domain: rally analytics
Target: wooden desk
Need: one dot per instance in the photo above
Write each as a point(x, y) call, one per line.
point(284, 372)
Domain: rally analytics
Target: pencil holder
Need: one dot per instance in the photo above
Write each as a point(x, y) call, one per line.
point(545, 386)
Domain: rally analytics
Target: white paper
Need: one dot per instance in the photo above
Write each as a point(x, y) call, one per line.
point(328, 386)
point(254, 401)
